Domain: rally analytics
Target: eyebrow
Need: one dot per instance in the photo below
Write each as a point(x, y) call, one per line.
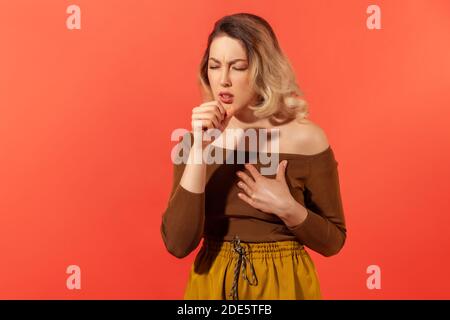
point(230, 62)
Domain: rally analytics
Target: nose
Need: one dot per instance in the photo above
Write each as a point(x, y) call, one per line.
point(225, 80)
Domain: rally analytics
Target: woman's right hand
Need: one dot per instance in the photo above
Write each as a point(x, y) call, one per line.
point(211, 115)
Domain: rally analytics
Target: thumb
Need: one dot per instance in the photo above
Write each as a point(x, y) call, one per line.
point(228, 115)
point(229, 111)
point(281, 171)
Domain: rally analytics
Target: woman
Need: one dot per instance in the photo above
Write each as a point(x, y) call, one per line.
point(255, 227)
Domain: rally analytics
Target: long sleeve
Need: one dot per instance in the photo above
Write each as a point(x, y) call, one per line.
point(324, 229)
point(184, 218)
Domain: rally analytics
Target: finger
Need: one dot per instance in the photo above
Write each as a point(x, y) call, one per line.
point(209, 106)
point(221, 108)
point(204, 117)
point(209, 110)
point(246, 188)
point(226, 121)
point(203, 109)
point(254, 172)
point(230, 111)
point(198, 123)
point(209, 103)
point(249, 181)
point(219, 114)
point(207, 116)
point(281, 170)
point(217, 109)
point(250, 201)
point(202, 123)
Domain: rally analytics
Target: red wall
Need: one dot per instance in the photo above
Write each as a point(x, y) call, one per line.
point(86, 117)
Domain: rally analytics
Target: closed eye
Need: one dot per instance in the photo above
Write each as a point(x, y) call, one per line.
point(239, 69)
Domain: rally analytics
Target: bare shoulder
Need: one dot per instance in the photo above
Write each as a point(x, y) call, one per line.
point(307, 137)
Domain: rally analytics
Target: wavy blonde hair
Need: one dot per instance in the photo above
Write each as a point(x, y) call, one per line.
point(272, 75)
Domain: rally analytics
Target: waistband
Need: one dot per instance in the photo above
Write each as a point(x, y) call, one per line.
point(246, 252)
point(253, 250)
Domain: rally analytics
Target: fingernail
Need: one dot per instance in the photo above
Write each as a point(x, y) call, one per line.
point(285, 163)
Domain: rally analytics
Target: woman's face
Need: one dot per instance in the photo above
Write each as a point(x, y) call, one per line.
point(228, 70)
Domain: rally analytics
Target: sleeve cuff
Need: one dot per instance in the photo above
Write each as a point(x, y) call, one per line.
point(303, 224)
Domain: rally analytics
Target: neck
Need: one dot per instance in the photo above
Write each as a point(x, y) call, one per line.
point(245, 119)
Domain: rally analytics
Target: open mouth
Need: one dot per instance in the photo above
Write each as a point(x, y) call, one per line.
point(226, 98)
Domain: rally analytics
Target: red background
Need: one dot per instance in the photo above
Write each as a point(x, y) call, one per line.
point(86, 117)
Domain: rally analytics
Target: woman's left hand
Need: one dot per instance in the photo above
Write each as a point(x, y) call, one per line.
point(268, 195)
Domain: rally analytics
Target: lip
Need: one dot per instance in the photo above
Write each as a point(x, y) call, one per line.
point(226, 97)
point(226, 93)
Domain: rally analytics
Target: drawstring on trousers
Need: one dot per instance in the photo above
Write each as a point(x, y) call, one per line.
point(242, 260)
